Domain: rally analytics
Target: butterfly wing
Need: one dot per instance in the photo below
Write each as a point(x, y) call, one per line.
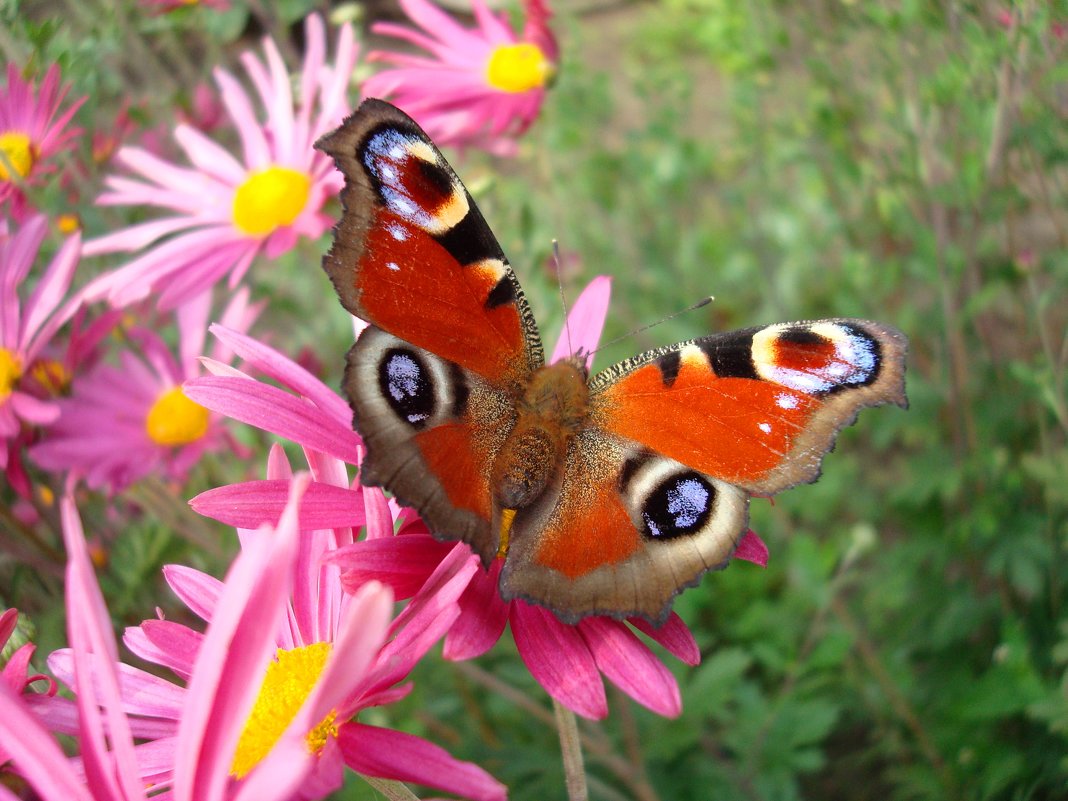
point(413, 255)
point(656, 489)
point(452, 338)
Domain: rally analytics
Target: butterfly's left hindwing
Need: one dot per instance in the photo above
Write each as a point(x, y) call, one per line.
point(431, 427)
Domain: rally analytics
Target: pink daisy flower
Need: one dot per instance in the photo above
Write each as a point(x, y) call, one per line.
point(566, 660)
point(31, 133)
point(124, 421)
point(481, 86)
point(315, 644)
point(198, 733)
point(26, 328)
point(224, 211)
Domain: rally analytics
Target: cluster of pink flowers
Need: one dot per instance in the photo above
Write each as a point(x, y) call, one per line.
point(106, 380)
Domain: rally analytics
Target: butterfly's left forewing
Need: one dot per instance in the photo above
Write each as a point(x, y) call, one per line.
point(413, 255)
point(656, 489)
point(431, 381)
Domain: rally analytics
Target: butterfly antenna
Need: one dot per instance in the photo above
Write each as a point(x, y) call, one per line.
point(560, 287)
point(699, 304)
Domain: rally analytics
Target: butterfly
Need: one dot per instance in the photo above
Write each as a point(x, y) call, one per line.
point(604, 495)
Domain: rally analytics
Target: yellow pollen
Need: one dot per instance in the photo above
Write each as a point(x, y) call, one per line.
point(47, 496)
point(289, 680)
point(507, 516)
point(10, 372)
point(18, 155)
point(176, 420)
point(269, 199)
point(518, 68)
point(53, 377)
point(68, 223)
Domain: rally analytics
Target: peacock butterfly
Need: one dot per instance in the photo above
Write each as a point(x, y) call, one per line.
point(605, 495)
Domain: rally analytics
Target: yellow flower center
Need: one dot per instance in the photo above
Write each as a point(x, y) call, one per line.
point(269, 199)
point(68, 223)
point(53, 377)
point(10, 372)
point(518, 68)
point(176, 420)
point(289, 680)
point(17, 150)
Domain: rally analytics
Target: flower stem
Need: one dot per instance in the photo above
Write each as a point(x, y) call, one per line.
point(571, 748)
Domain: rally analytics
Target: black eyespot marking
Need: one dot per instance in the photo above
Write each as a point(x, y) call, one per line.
point(436, 177)
point(732, 358)
point(801, 335)
point(680, 505)
point(407, 386)
point(669, 365)
point(502, 294)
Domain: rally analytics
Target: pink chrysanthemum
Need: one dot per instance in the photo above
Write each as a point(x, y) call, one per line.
point(225, 211)
point(481, 87)
point(122, 422)
point(316, 642)
point(194, 734)
point(567, 660)
point(31, 133)
point(25, 329)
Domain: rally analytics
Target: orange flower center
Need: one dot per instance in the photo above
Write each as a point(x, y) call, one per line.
point(290, 679)
point(10, 372)
point(53, 377)
point(518, 68)
point(175, 420)
point(269, 199)
point(16, 153)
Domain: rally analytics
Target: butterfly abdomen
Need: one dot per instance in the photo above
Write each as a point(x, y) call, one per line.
point(551, 411)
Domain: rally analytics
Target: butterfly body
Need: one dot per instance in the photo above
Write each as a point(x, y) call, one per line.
point(603, 495)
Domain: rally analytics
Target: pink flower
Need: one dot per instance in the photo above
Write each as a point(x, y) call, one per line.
point(25, 329)
point(16, 673)
point(195, 734)
point(336, 652)
point(566, 660)
point(223, 212)
point(480, 87)
point(122, 422)
point(31, 133)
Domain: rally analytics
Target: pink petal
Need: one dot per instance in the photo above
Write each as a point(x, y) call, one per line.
point(559, 660)
point(38, 757)
point(233, 658)
point(631, 666)
point(104, 731)
point(585, 321)
point(276, 411)
point(673, 635)
point(252, 503)
point(401, 563)
point(483, 615)
point(403, 757)
point(752, 549)
point(199, 591)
